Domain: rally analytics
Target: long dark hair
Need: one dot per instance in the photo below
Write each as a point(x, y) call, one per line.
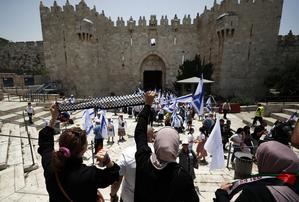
point(74, 140)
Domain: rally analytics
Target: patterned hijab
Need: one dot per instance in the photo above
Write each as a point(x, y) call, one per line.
point(274, 158)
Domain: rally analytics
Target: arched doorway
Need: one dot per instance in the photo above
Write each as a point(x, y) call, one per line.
point(152, 73)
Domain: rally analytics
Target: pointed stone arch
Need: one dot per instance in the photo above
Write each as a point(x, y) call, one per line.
point(153, 71)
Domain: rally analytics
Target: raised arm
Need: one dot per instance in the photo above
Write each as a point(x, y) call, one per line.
point(46, 138)
point(141, 127)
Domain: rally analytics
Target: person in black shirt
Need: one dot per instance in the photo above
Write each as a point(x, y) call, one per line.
point(158, 177)
point(67, 178)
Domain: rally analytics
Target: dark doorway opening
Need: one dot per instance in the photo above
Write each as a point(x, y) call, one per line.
point(152, 80)
point(8, 82)
point(28, 81)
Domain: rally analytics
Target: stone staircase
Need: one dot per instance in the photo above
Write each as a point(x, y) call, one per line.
point(282, 114)
point(20, 179)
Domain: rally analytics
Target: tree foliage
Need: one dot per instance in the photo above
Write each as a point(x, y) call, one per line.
point(192, 68)
point(285, 80)
point(195, 67)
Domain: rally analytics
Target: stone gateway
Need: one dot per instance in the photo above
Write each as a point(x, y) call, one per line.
point(92, 55)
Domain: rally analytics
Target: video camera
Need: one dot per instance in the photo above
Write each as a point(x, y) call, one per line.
point(281, 132)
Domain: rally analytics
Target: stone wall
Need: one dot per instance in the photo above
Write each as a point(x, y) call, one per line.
point(287, 49)
point(22, 57)
point(94, 56)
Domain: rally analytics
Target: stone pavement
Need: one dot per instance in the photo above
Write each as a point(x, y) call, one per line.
point(19, 185)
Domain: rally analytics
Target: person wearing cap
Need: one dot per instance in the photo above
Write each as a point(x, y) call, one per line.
point(187, 158)
point(158, 176)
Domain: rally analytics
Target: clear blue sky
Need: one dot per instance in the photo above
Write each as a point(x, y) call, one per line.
point(20, 20)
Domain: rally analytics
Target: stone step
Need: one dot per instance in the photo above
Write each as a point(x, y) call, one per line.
point(11, 117)
point(36, 110)
point(26, 151)
point(290, 111)
point(15, 148)
point(12, 107)
point(4, 142)
point(11, 180)
point(269, 120)
point(294, 106)
point(280, 116)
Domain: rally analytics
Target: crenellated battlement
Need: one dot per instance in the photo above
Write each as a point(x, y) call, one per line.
point(231, 5)
point(288, 40)
point(225, 5)
point(29, 44)
point(82, 7)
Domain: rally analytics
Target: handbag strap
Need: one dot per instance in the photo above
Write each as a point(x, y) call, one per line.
point(61, 188)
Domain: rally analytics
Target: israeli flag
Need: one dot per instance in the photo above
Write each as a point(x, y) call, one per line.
point(103, 129)
point(293, 117)
point(198, 97)
point(170, 108)
point(184, 99)
point(86, 120)
point(209, 104)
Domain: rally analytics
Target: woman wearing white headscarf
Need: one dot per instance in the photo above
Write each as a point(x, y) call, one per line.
point(159, 178)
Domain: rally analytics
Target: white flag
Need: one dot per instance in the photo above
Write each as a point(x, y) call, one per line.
point(214, 147)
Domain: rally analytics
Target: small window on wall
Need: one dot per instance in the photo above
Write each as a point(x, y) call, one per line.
point(8, 82)
point(28, 81)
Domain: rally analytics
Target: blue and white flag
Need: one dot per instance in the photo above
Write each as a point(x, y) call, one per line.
point(293, 117)
point(170, 107)
point(214, 147)
point(104, 128)
point(140, 91)
point(184, 99)
point(209, 104)
point(86, 120)
point(198, 97)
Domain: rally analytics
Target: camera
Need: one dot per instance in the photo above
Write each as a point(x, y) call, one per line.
point(281, 132)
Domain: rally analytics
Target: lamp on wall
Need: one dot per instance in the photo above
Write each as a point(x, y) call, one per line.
point(153, 41)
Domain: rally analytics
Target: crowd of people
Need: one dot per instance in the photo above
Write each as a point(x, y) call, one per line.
point(160, 166)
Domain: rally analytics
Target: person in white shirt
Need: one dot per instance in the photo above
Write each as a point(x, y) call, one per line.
point(30, 112)
point(127, 171)
point(238, 142)
point(111, 132)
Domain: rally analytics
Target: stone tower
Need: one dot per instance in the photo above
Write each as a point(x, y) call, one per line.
point(94, 56)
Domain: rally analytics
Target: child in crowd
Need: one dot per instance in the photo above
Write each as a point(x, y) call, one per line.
point(200, 150)
point(121, 128)
point(110, 132)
